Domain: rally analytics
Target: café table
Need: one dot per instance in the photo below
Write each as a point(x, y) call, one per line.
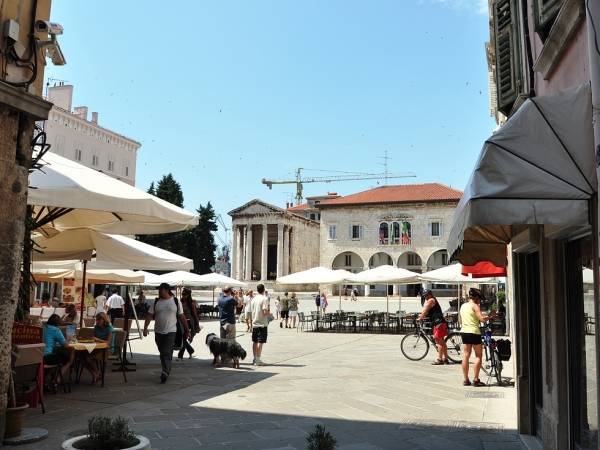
point(99, 350)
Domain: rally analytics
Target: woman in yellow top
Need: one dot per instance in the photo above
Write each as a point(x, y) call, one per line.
point(469, 318)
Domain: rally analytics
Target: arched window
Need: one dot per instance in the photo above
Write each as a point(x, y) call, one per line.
point(383, 233)
point(395, 233)
point(406, 233)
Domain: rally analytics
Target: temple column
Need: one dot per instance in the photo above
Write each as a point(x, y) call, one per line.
point(248, 242)
point(234, 252)
point(263, 258)
point(286, 251)
point(279, 250)
point(239, 259)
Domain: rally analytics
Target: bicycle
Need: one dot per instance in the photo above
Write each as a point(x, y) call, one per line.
point(415, 346)
point(492, 365)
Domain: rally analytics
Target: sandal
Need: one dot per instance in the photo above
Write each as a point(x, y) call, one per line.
point(478, 383)
point(446, 361)
point(437, 362)
point(95, 379)
point(466, 383)
point(178, 359)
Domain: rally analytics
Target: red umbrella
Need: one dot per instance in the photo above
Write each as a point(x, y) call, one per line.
point(483, 269)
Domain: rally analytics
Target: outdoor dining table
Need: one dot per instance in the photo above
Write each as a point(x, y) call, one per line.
point(101, 351)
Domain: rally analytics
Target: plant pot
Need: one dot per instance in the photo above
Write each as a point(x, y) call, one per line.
point(14, 420)
point(74, 443)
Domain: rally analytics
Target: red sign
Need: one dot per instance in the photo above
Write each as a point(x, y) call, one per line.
point(27, 334)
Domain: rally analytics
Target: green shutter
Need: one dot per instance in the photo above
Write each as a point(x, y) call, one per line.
point(508, 61)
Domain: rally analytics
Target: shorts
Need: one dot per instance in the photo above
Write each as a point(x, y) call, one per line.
point(259, 335)
point(440, 331)
point(248, 316)
point(318, 302)
point(293, 314)
point(284, 314)
point(471, 338)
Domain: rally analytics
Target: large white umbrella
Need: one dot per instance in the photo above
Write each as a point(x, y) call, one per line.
point(150, 279)
point(317, 275)
point(452, 275)
point(68, 195)
point(44, 272)
point(118, 252)
point(387, 275)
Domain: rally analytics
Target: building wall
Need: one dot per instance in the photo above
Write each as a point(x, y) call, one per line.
point(66, 132)
point(304, 246)
point(370, 217)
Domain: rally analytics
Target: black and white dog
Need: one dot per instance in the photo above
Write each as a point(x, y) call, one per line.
point(229, 347)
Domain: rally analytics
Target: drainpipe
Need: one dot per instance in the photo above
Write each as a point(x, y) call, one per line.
point(593, 29)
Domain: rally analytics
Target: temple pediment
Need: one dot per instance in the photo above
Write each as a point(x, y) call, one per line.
point(255, 207)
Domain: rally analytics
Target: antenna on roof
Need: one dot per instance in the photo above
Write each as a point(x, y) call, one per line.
point(385, 159)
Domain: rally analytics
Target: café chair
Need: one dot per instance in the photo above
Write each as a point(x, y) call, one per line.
point(304, 321)
point(120, 342)
point(89, 322)
point(26, 367)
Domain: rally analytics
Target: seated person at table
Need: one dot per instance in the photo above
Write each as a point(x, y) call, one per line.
point(103, 333)
point(54, 303)
point(71, 316)
point(54, 338)
point(45, 303)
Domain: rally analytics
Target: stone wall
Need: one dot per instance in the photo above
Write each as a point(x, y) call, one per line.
point(304, 245)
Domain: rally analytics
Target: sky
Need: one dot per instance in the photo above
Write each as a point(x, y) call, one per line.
point(223, 94)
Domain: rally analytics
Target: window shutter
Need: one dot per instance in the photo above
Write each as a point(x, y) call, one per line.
point(350, 231)
point(545, 11)
point(508, 61)
point(429, 228)
point(360, 232)
point(441, 228)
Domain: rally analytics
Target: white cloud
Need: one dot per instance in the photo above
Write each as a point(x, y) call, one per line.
point(477, 6)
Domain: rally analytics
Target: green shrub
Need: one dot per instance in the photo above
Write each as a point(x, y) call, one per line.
point(105, 433)
point(501, 295)
point(320, 439)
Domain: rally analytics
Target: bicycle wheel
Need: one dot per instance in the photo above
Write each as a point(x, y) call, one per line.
point(414, 346)
point(497, 366)
point(454, 345)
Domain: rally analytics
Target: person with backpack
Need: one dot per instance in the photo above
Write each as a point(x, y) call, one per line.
point(165, 311)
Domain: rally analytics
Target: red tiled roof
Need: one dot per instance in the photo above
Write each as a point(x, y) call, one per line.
point(407, 193)
point(301, 207)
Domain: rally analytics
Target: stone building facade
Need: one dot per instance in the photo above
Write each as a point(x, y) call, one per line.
point(404, 226)
point(269, 242)
point(73, 136)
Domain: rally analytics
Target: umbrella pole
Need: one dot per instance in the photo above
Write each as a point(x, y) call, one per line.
point(340, 296)
point(82, 295)
point(124, 363)
point(213, 291)
point(387, 298)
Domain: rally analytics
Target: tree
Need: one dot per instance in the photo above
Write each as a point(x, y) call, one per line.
point(197, 243)
point(168, 190)
point(200, 242)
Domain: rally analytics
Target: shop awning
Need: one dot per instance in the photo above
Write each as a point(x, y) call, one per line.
point(539, 168)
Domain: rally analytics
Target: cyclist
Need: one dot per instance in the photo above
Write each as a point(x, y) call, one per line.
point(469, 318)
point(434, 310)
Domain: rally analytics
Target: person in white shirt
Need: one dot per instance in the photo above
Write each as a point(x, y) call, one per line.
point(248, 310)
point(166, 310)
point(260, 321)
point(115, 305)
point(100, 300)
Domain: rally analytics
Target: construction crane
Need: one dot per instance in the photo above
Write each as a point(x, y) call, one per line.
point(352, 176)
point(224, 251)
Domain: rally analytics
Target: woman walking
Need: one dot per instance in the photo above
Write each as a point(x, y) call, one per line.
point(469, 318)
point(324, 302)
point(293, 309)
point(189, 310)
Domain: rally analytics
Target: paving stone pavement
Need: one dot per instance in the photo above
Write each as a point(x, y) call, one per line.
point(358, 385)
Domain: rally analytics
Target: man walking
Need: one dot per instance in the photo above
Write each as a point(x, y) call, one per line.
point(260, 321)
point(115, 305)
point(227, 305)
point(166, 310)
point(285, 310)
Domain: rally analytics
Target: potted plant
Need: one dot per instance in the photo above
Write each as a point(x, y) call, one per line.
point(15, 412)
point(105, 433)
point(320, 439)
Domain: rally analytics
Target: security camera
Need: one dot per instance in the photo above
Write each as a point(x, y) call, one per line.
point(51, 49)
point(51, 28)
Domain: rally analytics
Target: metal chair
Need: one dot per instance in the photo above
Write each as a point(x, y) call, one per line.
point(304, 320)
point(120, 342)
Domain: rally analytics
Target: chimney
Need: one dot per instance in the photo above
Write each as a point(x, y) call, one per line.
point(61, 96)
point(95, 118)
point(81, 112)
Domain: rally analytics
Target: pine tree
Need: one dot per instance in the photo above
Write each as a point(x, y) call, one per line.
point(151, 190)
point(200, 241)
point(170, 190)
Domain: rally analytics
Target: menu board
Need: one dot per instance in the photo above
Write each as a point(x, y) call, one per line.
point(68, 290)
